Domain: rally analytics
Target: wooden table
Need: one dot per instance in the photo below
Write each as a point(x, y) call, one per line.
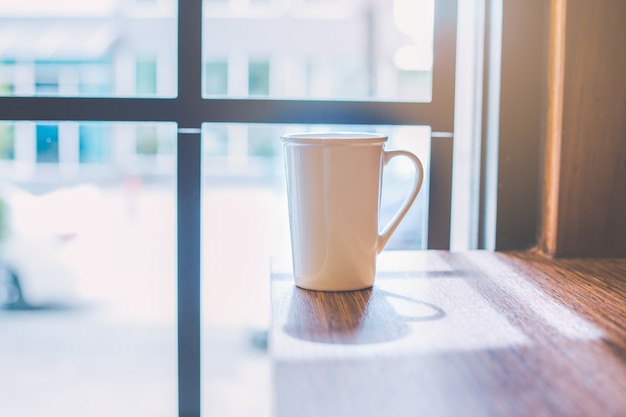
point(455, 334)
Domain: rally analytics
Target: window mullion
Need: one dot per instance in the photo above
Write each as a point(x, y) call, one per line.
point(189, 180)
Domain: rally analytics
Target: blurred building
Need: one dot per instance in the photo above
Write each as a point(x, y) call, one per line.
point(314, 49)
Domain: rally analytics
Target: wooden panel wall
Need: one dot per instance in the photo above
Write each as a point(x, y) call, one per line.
point(584, 211)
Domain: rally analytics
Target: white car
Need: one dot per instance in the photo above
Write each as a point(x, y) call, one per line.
point(35, 251)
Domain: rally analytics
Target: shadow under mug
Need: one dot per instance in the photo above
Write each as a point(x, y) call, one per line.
point(334, 191)
point(359, 317)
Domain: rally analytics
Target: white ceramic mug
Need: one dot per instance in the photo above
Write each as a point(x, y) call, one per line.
point(334, 190)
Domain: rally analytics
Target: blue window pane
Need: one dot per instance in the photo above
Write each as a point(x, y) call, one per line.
point(93, 144)
point(47, 143)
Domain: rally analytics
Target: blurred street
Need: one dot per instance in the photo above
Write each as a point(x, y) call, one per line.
point(112, 350)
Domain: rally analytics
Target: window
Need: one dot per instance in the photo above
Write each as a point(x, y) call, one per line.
point(324, 49)
point(47, 143)
point(7, 147)
point(216, 77)
point(87, 273)
point(93, 145)
point(175, 109)
point(259, 78)
point(146, 76)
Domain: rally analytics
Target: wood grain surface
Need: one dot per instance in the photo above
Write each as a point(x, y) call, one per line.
point(585, 178)
point(455, 334)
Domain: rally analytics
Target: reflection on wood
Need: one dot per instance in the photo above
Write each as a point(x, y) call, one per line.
point(456, 334)
point(358, 317)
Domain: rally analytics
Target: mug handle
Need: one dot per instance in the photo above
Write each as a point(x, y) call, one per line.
point(383, 237)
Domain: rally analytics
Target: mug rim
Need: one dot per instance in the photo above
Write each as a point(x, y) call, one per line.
point(334, 138)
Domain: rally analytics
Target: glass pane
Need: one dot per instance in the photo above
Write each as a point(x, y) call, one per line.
point(322, 49)
point(244, 224)
point(87, 271)
point(98, 48)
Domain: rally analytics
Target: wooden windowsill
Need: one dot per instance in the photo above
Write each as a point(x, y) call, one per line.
point(455, 334)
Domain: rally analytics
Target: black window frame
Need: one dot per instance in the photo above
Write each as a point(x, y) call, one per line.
point(189, 110)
